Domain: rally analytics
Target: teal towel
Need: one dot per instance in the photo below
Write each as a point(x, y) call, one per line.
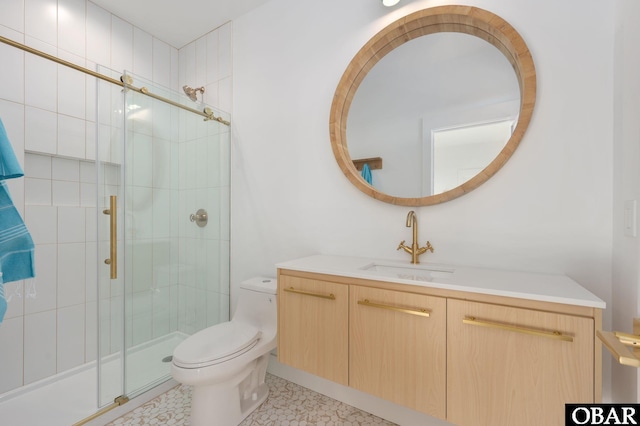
point(366, 173)
point(16, 245)
point(9, 166)
point(3, 301)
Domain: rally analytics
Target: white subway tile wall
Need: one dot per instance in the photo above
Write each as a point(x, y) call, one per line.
point(49, 112)
point(39, 346)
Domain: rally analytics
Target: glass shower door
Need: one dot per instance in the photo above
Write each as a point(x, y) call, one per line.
point(109, 171)
point(168, 167)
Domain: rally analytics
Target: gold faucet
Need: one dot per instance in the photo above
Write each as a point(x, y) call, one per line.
point(415, 251)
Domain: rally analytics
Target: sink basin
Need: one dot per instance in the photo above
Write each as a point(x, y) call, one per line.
point(410, 272)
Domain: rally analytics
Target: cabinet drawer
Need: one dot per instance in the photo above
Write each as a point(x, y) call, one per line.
point(397, 347)
point(511, 366)
point(313, 326)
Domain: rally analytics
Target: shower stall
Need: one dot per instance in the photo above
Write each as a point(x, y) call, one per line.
point(158, 234)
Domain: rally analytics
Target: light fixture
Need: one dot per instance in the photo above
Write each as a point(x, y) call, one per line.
point(390, 3)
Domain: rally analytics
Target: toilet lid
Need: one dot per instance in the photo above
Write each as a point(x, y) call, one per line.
point(216, 344)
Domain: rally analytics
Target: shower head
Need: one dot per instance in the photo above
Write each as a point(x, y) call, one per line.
point(193, 93)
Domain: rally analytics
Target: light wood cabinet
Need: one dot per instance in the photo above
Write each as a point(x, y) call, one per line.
point(397, 348)
point(313, 327)
point(476, 360)
point(508, 366)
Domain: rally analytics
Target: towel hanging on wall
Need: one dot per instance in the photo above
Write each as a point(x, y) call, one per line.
point(3, 300)
point(16, 244)
point(9, 166)
point(366, 173)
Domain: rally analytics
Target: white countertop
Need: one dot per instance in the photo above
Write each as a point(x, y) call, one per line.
point(523, 285)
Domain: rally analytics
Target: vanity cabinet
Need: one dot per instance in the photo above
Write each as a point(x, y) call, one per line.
point(512, 366)
point(477, 359)
point(397, 347)
point(313, 328)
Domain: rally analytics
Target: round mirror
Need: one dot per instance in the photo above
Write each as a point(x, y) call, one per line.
point(435, 116)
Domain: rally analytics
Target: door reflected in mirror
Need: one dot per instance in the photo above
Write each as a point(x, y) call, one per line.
point(460, 153)
point(437, 109)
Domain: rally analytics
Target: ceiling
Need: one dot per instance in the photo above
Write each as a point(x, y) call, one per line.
point(178, 22)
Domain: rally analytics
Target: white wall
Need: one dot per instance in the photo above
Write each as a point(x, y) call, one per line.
point(626, 162)
point(548, 209)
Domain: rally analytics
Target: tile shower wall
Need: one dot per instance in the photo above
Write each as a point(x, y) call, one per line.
point(204, 252)
point(60, 303)
point(49, 113)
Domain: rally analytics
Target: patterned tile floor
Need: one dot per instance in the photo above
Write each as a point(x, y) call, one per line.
point(287, 405)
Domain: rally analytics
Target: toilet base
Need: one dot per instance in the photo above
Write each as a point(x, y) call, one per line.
point(225, 411)
point(230, 404)
point(249, 405)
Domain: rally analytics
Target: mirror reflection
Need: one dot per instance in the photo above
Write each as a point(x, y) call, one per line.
point(437, 110)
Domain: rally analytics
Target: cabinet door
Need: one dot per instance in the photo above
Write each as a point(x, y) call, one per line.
point(501, 371)
point(313, 326)
point(396, 352)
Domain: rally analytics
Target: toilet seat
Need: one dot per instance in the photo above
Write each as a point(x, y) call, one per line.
point(215, 345)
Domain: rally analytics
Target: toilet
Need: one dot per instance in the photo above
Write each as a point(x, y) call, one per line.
point(226, 364)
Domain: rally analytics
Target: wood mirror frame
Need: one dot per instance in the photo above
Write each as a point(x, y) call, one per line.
point(461, 19)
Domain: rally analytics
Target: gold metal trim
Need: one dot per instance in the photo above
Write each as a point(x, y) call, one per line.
point(617, 348)
point(207, 115)
point(112, 211)
point(306, 293)
point(627, 339)
point(126, 79)
point(121, 400)
point(208, 112)
point(556, 335)
point(413, 311)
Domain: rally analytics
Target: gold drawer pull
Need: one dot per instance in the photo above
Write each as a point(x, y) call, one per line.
point(306, 293)
point(549, 334)
point(417, 311)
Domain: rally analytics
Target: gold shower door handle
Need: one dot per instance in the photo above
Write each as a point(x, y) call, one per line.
point(112, 211)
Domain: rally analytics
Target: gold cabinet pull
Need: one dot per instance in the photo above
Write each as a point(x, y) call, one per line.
point(615, 343)
point(306, 293)
point(112, 261)
point(416, 311)
point(556, 335)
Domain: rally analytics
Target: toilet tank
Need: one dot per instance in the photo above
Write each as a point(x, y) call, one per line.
point(257, 303)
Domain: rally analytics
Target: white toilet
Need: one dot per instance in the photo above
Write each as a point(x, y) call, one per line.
point(226, 364)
